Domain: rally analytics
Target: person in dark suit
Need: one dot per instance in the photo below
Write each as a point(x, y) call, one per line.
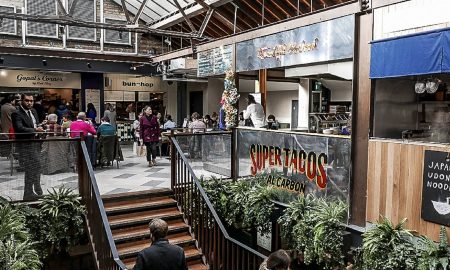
point(25, 122)
point(160, 255)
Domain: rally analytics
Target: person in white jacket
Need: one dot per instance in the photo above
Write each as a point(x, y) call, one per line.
point(255, 112)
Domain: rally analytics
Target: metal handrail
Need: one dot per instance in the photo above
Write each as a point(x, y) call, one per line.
point(98, 203)
point(208, 202)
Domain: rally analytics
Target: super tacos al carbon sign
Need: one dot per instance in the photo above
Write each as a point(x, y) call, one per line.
point(302, 163)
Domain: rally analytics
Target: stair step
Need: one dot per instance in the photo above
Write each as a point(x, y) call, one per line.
point(190, 253)
point(132, 248)
point(143, 217)
point(142, 231)
point(112, 208)
point(151, 193)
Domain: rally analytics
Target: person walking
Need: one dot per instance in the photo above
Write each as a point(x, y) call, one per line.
point(255, 112)
point(149, 133)
point(91, 112)
point(25, 122)
point(161, 255)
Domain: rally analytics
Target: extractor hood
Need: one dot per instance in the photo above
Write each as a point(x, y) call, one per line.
point(334, 71)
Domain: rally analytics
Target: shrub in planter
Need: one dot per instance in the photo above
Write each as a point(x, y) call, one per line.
point(61, 220)
point(258, 208)
point(386, 246)
point(329, 233)
point(432, 256)
point(291, 216)
point(16, 249)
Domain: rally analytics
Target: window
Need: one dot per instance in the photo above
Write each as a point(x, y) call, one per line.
point(85, 10)
point(117, 37)
point(42, 8)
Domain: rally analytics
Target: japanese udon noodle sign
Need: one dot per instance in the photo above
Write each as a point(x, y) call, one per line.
point(436, 188)
point(297, 163)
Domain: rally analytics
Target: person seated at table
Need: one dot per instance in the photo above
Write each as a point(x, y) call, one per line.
point(51, 125)
point(272, 123)
point(81, 126)
point(169, 124)
point(106, 129)
point(66, 122)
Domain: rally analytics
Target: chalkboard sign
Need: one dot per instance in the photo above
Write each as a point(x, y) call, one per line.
point(205, 62)
point(436, 188)
point(215, 61)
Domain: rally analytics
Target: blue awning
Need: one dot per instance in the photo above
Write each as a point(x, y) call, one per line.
point(419, 54)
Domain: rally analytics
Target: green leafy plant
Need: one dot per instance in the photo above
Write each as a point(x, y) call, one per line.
point(291, 216)
point(303, 230)
point(386, 246)
point(258, 208)
point(61, 220)
point(328, 233)
point(18, 255)
point(433, 256)
point(16, 249)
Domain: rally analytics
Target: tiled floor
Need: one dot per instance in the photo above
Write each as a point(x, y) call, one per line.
point(133, 174)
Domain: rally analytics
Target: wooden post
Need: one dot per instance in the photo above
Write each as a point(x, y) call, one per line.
point(262, 77)
point(361, 118)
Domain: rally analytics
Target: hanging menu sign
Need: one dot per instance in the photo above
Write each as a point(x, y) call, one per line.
point(113, 95)
point(436, 188)
point(215, 61)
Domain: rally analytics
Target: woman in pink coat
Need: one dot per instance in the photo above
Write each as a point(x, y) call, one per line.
point(149, 133)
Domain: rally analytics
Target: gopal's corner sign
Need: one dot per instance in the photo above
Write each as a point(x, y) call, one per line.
point(436, 188)
point(36, 79)
point(325, 41)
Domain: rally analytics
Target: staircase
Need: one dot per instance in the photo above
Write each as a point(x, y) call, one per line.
point(129, 215)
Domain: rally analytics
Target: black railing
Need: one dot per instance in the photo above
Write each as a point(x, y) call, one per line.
point(104, 248)
point(220, 250)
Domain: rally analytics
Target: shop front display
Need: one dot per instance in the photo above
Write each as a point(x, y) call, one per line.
point(300, 163)
point(409, 150)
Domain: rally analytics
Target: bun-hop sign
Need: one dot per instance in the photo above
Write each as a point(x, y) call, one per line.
point(436, 187)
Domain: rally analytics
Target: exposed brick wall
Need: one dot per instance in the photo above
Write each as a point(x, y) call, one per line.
point(111, 10)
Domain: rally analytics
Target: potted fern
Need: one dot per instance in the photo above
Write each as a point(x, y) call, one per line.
point(432, 256)
point(17, 251)
point(386, 246)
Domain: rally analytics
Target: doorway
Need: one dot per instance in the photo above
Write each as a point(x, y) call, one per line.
point(294, 114)
point(196, 102)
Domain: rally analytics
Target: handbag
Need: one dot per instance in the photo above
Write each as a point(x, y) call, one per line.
point(142, 151)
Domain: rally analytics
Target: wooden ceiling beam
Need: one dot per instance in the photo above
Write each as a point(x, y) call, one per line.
point(254, 10)
point(242, 10)
point(211, 29)
point(225, 28)
point(268, 9)
point(303, 8)
point(280, 8)
point(225, 9)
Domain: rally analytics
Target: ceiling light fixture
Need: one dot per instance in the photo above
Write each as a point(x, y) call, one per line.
point(89, 65)
point(44, 62)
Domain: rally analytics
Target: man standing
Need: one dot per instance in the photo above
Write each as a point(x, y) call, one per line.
point(160, 255)
point(25, 121)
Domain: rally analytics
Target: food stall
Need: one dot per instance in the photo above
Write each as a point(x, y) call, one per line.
point(409, 152)
point(129, 95)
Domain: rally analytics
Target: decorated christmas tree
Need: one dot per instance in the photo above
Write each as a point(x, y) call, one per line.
point(230, 98)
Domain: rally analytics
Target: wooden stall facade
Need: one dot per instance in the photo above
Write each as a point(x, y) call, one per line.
point(394, 183)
